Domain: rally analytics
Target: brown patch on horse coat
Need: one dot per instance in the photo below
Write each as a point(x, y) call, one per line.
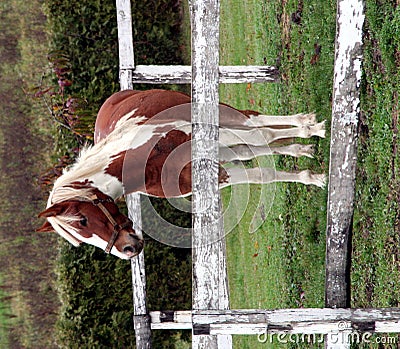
point(148, 104)
point(161, 167)
point(152, 167)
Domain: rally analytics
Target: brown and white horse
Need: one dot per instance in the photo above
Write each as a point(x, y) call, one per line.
point(142, 144)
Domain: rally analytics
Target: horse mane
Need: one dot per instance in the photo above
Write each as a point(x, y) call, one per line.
point(91, 161)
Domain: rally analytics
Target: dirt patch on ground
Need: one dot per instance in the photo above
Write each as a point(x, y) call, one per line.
point(26, 257)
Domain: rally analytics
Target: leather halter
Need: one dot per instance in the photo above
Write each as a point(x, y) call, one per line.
point(117, 227)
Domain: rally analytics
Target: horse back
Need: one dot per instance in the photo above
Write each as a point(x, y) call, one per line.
point(158, 107)
point(139, 104)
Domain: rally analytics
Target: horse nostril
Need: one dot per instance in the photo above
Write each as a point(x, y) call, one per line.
point(129, 250)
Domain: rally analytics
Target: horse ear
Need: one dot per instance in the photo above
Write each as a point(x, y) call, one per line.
point(45, 228)
point(52, 211)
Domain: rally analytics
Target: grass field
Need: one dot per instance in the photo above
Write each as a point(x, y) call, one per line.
point(376, 248)
point(282, 264)
point(4, 317)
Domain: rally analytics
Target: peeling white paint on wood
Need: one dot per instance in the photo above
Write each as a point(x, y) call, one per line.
point(126, 64)
point(125, 37)
point(306, 320)
point(336, 323)
point(343, 153)
point(141, 320)
point(241, 74)
point(181, 74)
point(350, 20)
point(210, 285)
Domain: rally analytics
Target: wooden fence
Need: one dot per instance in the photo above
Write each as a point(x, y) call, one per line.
point(286, 321)
point(210, 320)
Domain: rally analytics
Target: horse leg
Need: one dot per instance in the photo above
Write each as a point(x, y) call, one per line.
point(247, 152)
point(279, 120)
point(269, 175)
point(266, 135)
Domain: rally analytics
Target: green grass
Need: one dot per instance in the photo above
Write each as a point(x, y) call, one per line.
point(376, 255)
point(297, 226)
point(282, 264)
point(4, 317)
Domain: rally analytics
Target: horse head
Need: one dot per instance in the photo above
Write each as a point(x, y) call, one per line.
point(96, 220)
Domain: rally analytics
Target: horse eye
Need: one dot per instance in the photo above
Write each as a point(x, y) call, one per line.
point(83, 221)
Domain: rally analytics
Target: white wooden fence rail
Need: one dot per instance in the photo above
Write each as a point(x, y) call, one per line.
point(141, 319)
point(182, 74)
point(210, 280)
point(343, 154)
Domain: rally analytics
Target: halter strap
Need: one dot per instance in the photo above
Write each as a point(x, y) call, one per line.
point(117, 228)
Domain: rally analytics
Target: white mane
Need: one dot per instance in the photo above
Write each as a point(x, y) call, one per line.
point(92, 161)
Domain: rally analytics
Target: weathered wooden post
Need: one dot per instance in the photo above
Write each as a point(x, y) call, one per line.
point(141, 319)
point(343, 153)
point(182, 74)
point(210, 286)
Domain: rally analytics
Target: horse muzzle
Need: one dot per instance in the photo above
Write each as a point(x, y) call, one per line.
point(133, 246)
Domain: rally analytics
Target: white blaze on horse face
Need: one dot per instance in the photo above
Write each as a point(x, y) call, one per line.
point(97, 241)
point(114, 251)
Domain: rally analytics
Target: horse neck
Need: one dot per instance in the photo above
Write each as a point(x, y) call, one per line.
point(90, 172)
point(107, 184)
point(102, 164)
